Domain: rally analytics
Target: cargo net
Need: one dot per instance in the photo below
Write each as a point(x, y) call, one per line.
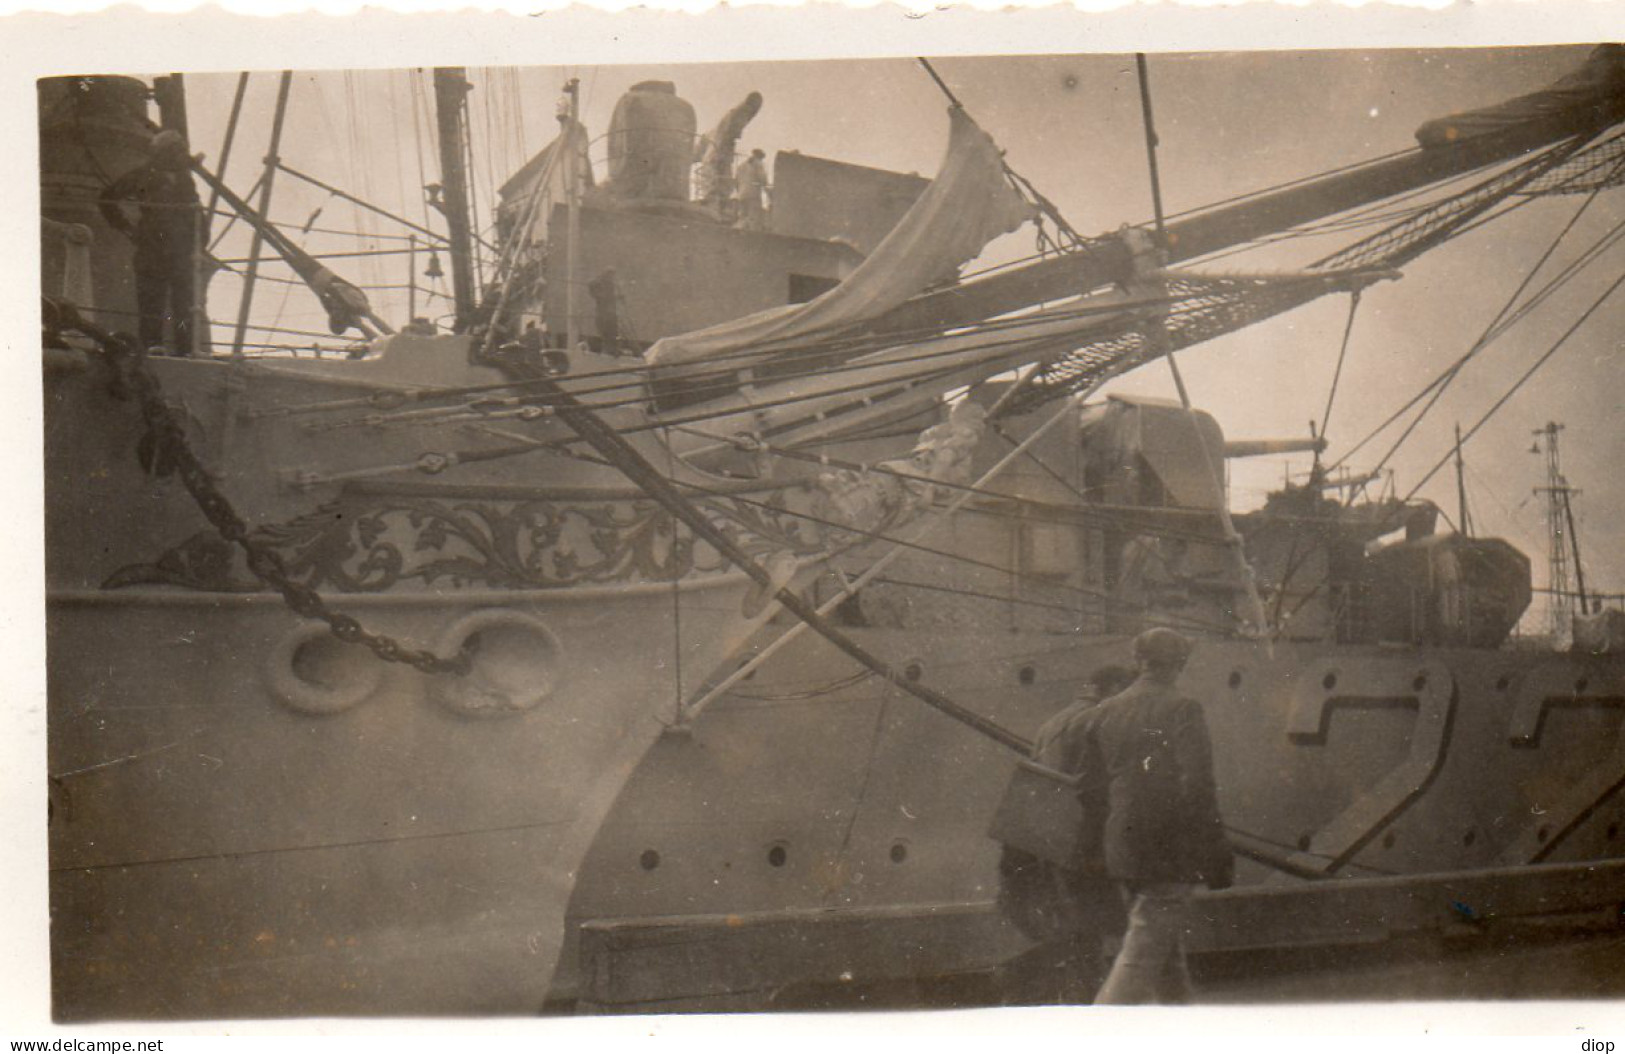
point(1205, 307)
point(1596, 168)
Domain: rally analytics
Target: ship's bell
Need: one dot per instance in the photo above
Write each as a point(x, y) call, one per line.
point(433, 270)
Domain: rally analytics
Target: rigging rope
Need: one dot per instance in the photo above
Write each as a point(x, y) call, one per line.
point(1108, 599)
point(1504, 319)
point(1337, 374)
point(1023, 186)
point(1112, 517)
point(1519, 383)
point(615, 449)
point(1402, 503)
point(1389, 247)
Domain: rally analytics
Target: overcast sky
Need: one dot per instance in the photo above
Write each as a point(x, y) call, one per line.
point(1228, 123)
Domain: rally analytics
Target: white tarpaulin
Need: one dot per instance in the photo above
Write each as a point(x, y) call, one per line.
point(968, 205)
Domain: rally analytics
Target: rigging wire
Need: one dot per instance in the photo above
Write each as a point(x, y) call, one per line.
point(1504, 319)
point(968, 561)
point(232, 218)
point(1040, 462)
point(1546, 357)
point(1519, 383)
point(725, 382)
point(1114, 517)
point(1389, 211)
point(473, 198)
point(403, 199)
point(414, 89)
point(1337, 374)
point(804, 694)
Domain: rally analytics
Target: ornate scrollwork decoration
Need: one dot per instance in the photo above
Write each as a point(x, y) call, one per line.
point(371, 544)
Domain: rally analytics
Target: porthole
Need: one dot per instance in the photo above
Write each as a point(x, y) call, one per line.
point(1235, 679)
point(777, 856)
point(516, 664)
point(1543, 834)
point(1027, 675)
point(1329, 681)
point(913, 672)
point(1388, 840)
point(313, 672)
point(649, 860)
point(1469, 838)
point(1304, 842)
point(899, 852)
point(1420, 682)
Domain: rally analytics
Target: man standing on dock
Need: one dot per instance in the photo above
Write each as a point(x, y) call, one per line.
point(1163, 835)
point(166, 235)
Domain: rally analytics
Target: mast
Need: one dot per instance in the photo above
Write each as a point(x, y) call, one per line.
point(411, 277)
point(1574, 544)
point(572, 192)
point(1462, 520)
point(271, 161)
point(1559, 518)
point(451, 88)
point(225, 150)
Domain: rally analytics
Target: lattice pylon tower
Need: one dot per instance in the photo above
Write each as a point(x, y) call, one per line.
point(1560, 599)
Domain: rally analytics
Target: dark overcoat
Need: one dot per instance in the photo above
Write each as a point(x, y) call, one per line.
point(1162, 811)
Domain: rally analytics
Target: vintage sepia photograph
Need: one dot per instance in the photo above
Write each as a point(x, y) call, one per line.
point(849, 534)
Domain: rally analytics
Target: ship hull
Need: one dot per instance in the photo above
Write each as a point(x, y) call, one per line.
point(1348, 761)
point(249, 819)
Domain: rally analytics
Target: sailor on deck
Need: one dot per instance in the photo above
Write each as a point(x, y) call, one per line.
point(166, 234)
point(1163, 835)
point(752, 179)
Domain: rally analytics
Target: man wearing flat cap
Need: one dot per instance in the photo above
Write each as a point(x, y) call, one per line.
point(1163, 836)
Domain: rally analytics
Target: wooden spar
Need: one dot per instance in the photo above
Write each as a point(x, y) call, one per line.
point(451, 90)
point(247, 302)
point(1210, 230)
point(1151, 142)
point(343, 300)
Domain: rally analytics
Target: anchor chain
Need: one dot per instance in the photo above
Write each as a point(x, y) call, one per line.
point(167, 442)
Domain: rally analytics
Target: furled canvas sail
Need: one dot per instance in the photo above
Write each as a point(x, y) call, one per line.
point(1595, 85)
point(967, 205)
